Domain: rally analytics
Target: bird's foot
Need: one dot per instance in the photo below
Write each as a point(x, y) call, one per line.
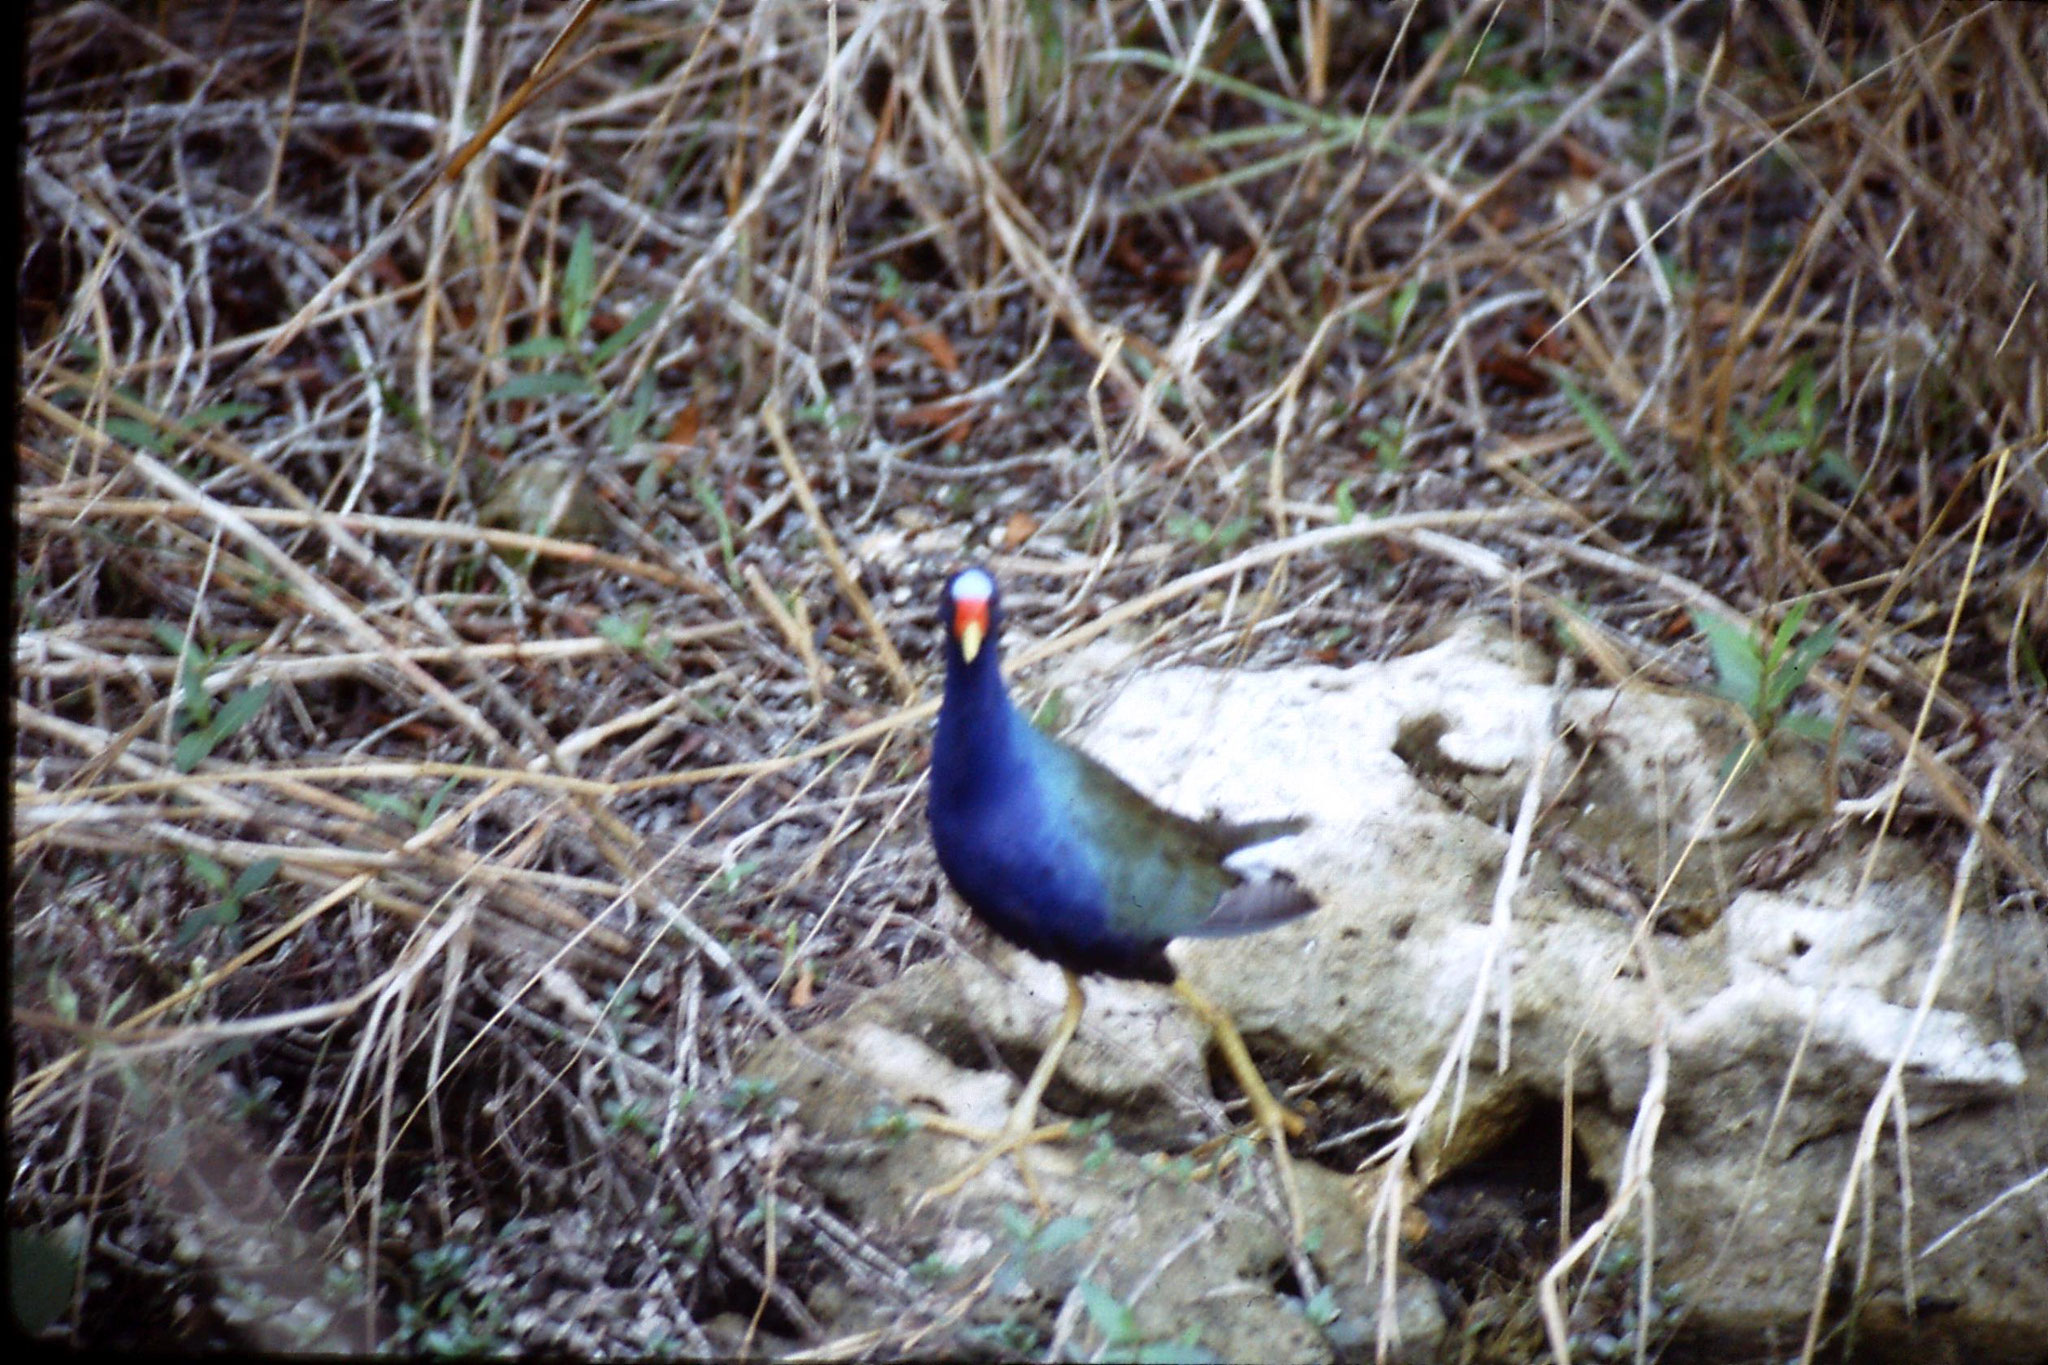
point(1277, 1129)
point(1214, 1155)
point(1292, 1123)
point(1010, 1141)
point(1273, 1119)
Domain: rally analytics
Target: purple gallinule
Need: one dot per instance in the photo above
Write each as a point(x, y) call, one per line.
point(1066, 860)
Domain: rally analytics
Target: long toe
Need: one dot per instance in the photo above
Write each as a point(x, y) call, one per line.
point(998, 1146)
point(1276, 1133)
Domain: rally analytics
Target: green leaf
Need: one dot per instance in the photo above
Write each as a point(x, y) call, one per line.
point(1017, 1223)
point(1388, 441)
point(239, 710)
point(1186, 1349)
point(210, 873)
point(636, 326)
point(141, 434)
point(170, 637)
point(626, 633)
point(542, 386)
point(192, 750)
point(193, 666)
point(542, 347)
point(1736, 664)
point(63, 999)
point(42, 1271)
point(1322, 1309)
point(629, 421)
point(579, 285)
point(736, 875)
point(708, 498)
point(1787, 631)
point(434, 802)
point(1790, 674)
point(1347, 510)
point(1060, 1232)
point(1234, 530)
point(214, 414)
point(1596, 423)
point(1111, 1317)
point(255, 877)
point(1832, 463)
point(1401, 307)
point(1306, 115)
point(195, 924)
point(1807, 725)
point(386, 803)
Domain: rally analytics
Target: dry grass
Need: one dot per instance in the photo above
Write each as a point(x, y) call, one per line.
point(472, 630)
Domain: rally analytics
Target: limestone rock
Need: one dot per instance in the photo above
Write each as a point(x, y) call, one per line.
point(1779, 1010)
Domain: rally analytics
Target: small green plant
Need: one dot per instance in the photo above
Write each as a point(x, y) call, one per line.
point(692, 1241)
point(732, 878)
point(1794, 421)
point(631, 1116)
point(1123, 1340)
point(1213, 541)
point(1614, 1319)
point(1388, 325)
point(823, 413)
point(634, 634)
point(1760, 674)
point(708, 498)
point(1180, 1169)
point(1602, 431)
point(749, 1093)
point(1388, 442)
point(417, 815)
point(42, 1273)
point(205, 725)
point(444, 1316)
point(582, 356)
point(932, 1269)
point(225, 913)
point(1029, 1238)
point(1347, 506)
point(1101, 1150)
point(890, 1122)
point(1012, 1338)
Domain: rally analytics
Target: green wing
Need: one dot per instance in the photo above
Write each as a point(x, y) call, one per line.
point(1164, 872)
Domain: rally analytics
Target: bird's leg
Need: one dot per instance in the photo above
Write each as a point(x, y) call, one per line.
point(1274, 1119)
point(1021, 1130)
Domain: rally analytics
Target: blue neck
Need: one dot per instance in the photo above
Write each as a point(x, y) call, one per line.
point(975, 750)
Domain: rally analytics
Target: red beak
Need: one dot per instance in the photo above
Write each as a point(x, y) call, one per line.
point(970, 625)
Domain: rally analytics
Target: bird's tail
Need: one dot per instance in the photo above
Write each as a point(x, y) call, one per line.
point(1236, 836)
point(1254, 905)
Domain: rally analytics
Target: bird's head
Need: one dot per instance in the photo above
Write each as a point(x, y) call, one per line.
point(971, 612)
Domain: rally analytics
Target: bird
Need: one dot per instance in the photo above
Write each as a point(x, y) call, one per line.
point(1063, 858)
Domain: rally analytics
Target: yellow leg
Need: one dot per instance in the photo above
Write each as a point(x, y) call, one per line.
point(1276, 1121)
point(1022, 1129)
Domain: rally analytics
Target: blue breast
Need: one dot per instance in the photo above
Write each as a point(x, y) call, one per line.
point(1007, 836)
